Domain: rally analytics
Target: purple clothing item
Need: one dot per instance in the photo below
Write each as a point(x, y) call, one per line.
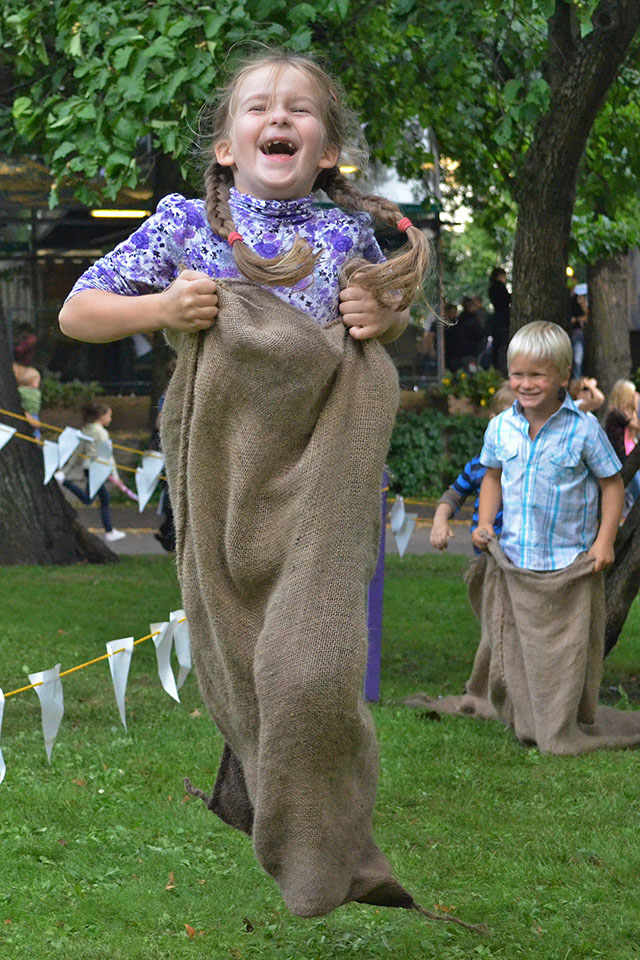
point(178, 236)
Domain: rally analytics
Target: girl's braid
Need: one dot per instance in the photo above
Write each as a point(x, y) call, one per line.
point(283, 271)
point(398, 281)
point(345, 194)
point(217, 200)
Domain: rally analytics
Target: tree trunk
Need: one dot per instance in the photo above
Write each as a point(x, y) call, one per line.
point(37, 525)
point(579, 71)
point(608, 351)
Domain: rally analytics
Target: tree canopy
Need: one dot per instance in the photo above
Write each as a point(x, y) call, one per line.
point(94, 85)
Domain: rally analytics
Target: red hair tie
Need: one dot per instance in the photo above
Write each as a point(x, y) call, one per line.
point(404, 224)
point(233, 236)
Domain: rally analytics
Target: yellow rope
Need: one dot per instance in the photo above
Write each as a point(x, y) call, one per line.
point(50, 426)
point(81, 666)
point(84, 456)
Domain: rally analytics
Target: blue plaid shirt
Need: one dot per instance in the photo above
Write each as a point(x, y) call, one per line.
point(550, 484)
point(467, 482)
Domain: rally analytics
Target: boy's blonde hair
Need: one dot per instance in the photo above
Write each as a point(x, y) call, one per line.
point(623, 397)
point(502, 399)
point(397, 282)
point(541, 340)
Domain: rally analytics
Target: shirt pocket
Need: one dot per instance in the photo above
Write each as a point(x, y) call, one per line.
point(566, 465)
point(511, 463)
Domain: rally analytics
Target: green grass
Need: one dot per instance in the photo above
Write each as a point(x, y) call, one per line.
point(103, 858)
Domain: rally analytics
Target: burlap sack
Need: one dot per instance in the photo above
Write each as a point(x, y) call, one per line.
point(539, 663)
point(275, 432)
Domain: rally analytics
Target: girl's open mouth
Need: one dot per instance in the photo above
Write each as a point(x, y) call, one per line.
point(281, 147)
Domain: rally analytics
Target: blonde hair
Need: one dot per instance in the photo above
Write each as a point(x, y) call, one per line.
point(395, 282)
point(502, 399)
point(541, 340)
point(623, 397)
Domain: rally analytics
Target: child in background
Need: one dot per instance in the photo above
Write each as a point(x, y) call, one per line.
point(543, 594)
point(277, 625)
point(31, 396)
point(97, 417)
point(466, 483)
point(585, 394)
point(622, 426)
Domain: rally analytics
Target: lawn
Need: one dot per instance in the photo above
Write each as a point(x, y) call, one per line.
point(104, 858)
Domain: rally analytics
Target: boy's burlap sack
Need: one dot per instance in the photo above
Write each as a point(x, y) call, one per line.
point(275, 432)
point(539, 663)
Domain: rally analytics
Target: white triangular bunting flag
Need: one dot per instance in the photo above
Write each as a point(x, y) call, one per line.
point(403, 535)
point(50, 455)
point(397, 514)
point(182, 645)
point(6, 433)
point(163, 640)
point(3, 769)
point(147, 476)
point(51, 703)
point(101, 468)
point(67, 444)
point(119, 663)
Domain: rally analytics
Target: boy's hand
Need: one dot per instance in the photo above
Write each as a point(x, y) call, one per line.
point(602, 553)
point(365, 318)
point(440, 535)
point(482, 535)
point(190, 303)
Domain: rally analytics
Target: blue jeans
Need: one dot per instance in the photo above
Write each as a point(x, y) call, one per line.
point(83, 496)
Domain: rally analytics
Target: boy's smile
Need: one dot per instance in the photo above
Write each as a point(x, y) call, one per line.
point(276, 146)
point(536, 385)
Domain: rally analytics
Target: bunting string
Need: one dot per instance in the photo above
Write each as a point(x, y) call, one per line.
point(85, 456)
point(170, 637)
point(81, 666)
point(50, 426)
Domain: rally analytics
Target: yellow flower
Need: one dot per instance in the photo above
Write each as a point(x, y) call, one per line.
point(446, 382)
point(483, 402)
point(463, 375)
point(492, 390)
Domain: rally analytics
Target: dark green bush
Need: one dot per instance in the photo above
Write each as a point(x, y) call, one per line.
point(57, 394)
point(428, 450)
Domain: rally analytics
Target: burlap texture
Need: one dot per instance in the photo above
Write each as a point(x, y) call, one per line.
point(539, 662)
point(275, 432)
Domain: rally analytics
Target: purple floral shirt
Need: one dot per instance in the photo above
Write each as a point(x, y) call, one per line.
point(178, 236)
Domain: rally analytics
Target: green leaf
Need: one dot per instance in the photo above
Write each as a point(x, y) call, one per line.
point(301, 14)
point(511, 90)
point(301, 40)
point(181, 26)
point(547, 7)
point(162, 47)
point(212, 24)
point(121, 57)
point(21, 105)
point(75, 46)
point(65, 148)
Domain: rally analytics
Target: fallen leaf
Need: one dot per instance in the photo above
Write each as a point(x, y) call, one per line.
point(62, 842)
point(185, 798)
point(202, 881)
point(442, 908)
point(169, 798)
point(172, 882)
point(195, 713)
point(80, 782)
point(190, 931)
point(8, 920)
